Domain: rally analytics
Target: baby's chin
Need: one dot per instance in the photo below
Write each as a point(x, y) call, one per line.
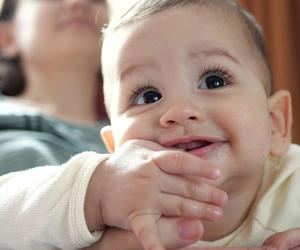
point(217, 153)
point(222, 159)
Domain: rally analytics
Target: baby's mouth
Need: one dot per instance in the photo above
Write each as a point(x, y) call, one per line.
point(189, 146)
point(199, 147)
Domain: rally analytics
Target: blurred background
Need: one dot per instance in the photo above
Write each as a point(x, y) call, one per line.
point(280, 20)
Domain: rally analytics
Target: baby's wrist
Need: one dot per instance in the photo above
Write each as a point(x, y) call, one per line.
point(92, 205)
point(92, 216)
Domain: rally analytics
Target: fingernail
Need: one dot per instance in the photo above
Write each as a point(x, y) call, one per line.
point(189, 229)
point(222, 198)
point(216, 173)
point(215, 213)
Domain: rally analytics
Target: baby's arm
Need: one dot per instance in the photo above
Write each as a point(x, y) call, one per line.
point(142, 182)
point(43, 208)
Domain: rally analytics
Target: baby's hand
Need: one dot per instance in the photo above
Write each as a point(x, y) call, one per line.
point(174, 233)
point(143, 181)
point(286, 240)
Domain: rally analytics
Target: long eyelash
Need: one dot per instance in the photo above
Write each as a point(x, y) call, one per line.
point(218, 70)
point(139, 90)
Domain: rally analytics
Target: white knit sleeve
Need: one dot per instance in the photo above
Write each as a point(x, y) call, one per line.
point(43, 208)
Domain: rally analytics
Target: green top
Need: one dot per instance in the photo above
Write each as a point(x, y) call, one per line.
point(29, 139)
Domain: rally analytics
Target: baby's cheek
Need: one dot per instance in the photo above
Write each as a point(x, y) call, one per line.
point(121, 134)
point(253, 134)
point(126, 129)
point(263, 150)
point(263, 137)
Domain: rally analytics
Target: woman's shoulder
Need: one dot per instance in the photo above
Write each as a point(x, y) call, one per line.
point(20, 151)
point(29, 139)
point(23, 149)
point(29, 121)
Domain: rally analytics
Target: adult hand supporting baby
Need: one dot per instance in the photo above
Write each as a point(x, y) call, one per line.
point(286, 240)
point(229, 248)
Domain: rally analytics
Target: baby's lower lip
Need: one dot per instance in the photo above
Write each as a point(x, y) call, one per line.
point(202, 151)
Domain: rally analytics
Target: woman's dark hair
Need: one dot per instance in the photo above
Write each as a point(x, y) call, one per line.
point(12, 80)
point(8, 9)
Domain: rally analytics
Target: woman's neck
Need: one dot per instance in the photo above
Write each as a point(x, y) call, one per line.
point(68, 93)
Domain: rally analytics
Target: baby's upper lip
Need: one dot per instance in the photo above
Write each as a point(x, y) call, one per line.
point(191, 142)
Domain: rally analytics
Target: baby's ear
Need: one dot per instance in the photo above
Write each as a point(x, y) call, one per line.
point(108, 138)
point(8, 46)
point(281, 116)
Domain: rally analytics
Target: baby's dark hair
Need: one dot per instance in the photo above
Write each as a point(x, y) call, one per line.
point(144, 8)
point(12, 80)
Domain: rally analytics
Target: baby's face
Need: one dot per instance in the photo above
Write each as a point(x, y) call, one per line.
point(187, 79)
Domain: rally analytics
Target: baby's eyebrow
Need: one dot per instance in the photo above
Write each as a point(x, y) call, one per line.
point(127, 70)
point(202, 52)
point(213, 51)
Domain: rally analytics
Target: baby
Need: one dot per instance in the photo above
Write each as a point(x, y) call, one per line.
point(193, 76)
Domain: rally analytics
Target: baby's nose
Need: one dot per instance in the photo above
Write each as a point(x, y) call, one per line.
point(180, 114)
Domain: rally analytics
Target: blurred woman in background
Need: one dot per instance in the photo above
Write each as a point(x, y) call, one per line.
point(50, 80)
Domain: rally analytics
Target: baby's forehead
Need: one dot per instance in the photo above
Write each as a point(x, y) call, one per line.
point(175, 26)
point(140, 25)
point(228, 10)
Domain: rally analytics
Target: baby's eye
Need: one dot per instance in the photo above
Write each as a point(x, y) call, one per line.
point(213, 80)
point(145, 95)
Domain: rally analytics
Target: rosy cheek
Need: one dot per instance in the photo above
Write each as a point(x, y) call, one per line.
point(263, 150)
point(126, 131)
point(263, 141)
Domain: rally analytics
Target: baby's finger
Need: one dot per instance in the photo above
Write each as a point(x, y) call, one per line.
point(171, 205)
point(193, 188)
point(178, 232)
point(145, 228)
point(181, 163)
